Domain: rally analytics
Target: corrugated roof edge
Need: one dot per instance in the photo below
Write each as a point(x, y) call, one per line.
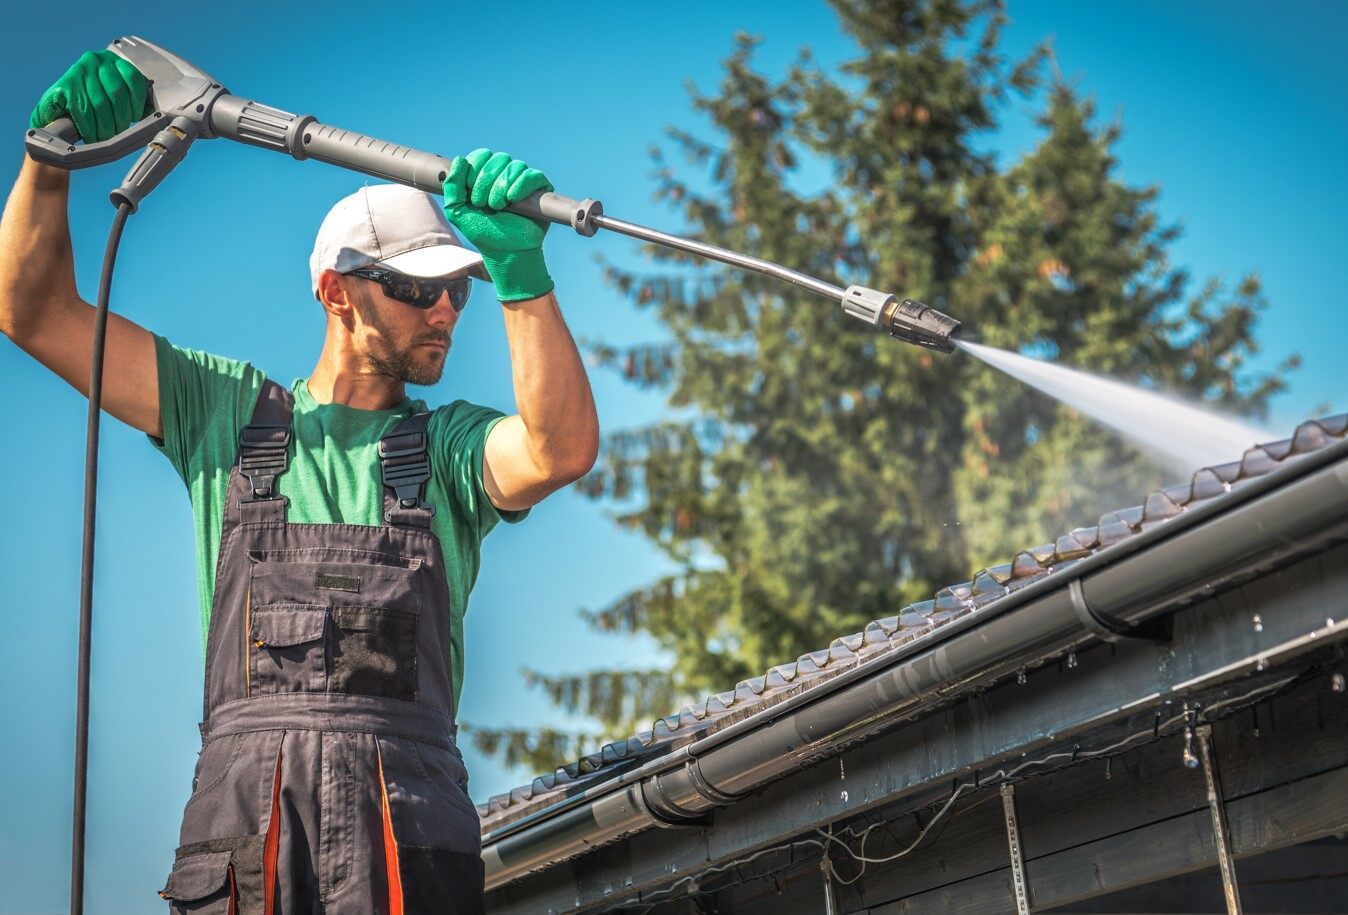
point(786, 680)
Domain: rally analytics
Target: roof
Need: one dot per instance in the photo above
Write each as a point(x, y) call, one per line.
point(915, 621)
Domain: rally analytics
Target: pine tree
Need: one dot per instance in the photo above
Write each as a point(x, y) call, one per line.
point(830, 475)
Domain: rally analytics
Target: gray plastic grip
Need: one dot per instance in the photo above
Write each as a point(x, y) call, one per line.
point(371, 156)
point(63, 129)
point(305, 138)
point(426, 171)
point(256, 124)
point(162, 155)
point(579, 214)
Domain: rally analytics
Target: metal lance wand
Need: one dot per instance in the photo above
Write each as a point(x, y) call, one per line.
point(190, 105)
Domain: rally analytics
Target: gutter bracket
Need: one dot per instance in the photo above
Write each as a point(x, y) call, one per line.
point(1156, 630)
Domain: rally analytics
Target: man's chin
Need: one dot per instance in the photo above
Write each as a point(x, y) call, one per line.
point(431, 369)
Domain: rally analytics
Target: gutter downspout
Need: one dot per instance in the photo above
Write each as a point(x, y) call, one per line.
point(1267, 520)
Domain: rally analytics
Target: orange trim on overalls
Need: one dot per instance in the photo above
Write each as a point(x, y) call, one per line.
point(272, 843)
point(395, 880)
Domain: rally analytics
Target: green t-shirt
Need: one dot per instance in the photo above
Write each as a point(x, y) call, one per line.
point(205, 400)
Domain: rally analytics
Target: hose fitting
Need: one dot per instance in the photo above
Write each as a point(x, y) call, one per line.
point(909, 320)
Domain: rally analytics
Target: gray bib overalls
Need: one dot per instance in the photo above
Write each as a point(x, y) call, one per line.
point(328, 780)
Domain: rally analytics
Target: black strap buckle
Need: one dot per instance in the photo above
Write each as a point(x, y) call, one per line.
point(263, 456)
point(405, 465)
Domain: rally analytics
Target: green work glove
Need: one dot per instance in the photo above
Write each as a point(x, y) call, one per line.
point(479, 185)
point(101, 93)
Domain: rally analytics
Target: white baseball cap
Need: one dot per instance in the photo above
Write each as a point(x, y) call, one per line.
point(393, 226)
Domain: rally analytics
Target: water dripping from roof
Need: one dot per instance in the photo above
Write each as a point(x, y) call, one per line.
point(1184, 436)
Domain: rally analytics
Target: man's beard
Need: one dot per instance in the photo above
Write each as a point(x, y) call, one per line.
point(402, 363)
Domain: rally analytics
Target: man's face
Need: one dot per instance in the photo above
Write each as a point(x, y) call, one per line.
point(396, 339)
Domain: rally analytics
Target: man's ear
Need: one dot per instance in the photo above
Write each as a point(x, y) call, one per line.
point(334, 294)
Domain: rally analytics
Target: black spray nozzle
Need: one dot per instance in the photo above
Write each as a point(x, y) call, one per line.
point(907, 320)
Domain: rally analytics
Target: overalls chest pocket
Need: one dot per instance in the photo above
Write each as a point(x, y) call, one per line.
point(332, 627)
point(288, 650)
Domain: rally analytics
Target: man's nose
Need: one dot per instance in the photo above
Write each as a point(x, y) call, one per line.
point(443, 312)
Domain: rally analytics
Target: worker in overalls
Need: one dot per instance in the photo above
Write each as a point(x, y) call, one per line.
point(338, 522)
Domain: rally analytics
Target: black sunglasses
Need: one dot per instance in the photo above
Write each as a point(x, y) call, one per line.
point(417, 291)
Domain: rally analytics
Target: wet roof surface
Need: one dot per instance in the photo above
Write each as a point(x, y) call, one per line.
point(912, 622)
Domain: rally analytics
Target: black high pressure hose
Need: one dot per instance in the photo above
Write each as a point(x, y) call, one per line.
point(87, 561)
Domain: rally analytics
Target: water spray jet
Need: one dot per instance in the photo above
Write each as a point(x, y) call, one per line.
point(1183, 435)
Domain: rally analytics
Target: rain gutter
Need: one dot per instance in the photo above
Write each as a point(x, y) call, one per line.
point(1266, 520)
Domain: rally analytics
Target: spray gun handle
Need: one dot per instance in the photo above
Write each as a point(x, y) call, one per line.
point(177, 90)
point(55, 143)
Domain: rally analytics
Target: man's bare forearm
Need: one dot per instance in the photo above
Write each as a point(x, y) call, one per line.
point(37, 264)
point(41, 309)
point(552, 391)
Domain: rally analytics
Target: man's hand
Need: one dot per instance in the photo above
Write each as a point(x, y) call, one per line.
point(101, 93)
point(481, 184)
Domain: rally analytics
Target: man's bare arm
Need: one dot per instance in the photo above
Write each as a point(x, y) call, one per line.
point(42, 312)
point(555, 437)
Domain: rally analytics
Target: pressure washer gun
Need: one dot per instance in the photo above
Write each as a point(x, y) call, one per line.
point(189, 105)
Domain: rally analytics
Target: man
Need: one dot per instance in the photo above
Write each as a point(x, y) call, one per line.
point(338, 522)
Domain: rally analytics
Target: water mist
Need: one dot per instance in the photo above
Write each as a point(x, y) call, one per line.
point(1185, 437)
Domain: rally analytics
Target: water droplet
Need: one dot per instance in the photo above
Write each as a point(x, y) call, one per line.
point(1190, 760)
point(1071, 659)
point(844, 797)
point(1261, 664)
point(1337, 684)
point(1258, 623)
point(1020, 677)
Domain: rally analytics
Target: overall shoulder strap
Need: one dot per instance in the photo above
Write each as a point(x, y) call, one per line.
point(404, 468)
point(264, 455)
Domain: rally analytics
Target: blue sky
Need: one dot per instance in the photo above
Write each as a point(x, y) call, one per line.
point(1236, 109)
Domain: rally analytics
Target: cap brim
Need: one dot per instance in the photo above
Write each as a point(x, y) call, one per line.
point(437, 260)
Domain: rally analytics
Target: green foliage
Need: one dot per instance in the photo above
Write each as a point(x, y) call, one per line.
point(832, 475)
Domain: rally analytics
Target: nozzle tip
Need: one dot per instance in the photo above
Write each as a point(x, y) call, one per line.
point(908, 320)
point(921, 325)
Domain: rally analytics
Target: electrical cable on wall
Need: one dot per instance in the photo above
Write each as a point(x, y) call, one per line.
point(1153, 733)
